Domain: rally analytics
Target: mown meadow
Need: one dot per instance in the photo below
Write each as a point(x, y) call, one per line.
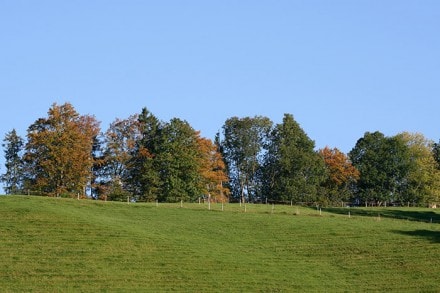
point(54, 244)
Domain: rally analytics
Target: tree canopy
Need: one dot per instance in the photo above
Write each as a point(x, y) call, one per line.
point(252, 160)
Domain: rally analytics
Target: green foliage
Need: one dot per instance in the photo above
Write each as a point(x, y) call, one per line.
point(51, 245)
point(436, 153)
point(401, 169)
point(383, 163)
point(13, 146)
point(294, 170)
point(151, 160)
point(120, 140)
point(243, 146)
point(144, 172)
point(179, 162)
point(424, 175)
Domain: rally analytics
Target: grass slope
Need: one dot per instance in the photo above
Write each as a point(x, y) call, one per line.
point(52, 244)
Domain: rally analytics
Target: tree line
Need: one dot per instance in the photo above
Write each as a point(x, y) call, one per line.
point(251, 160)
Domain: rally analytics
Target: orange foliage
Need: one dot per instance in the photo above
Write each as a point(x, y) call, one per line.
point(339, 166)
point(212, 170)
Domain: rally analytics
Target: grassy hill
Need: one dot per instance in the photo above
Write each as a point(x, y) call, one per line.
point(50, 244)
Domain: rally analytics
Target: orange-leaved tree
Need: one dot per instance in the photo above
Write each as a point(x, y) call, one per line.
point(341, 174)
point(213, 170)
point(59, 151)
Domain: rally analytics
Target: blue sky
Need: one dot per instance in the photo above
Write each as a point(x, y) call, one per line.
point(340, 67)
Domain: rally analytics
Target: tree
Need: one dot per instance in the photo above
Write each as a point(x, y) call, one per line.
point(179, 162)
point(294, 171)
point(213, 170)
point(243, 146)
point(120, 142)
point(98, 189)
point(436, 153)
point(383, 163)
point(144, 172)
point(13, 178)
point(424, 175)
point(341, 175)
point(59, 151)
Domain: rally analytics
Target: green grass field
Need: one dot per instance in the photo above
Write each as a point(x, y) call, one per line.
point(52, 244)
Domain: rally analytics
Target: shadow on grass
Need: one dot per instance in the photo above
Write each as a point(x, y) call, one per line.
point(433, 236)
point(394, 213)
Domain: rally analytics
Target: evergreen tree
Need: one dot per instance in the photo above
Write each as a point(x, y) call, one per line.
point(13, 178)
point(179, 162)
point(144, 172)
point(436, 153)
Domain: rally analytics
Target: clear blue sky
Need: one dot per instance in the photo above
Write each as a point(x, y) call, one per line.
point(340, 67)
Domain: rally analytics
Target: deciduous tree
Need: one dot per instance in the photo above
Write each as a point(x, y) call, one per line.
point(424, 176)
point(243, 146)
point(213, 170)
point(383, 163)
point(341, 175)
point(59, 151)
point(294, 169)
point(119, 144)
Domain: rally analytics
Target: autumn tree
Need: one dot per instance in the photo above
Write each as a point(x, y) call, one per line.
point(13, 146)
point(293, 170)
point(59, 151)
point(212, 170)
point(341, 175)
point(244, 143)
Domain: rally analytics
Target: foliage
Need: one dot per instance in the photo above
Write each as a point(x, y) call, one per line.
point(341, 175)
point(436, 153)
point(424, 176)
point(120, 141)
point(179, 161)
point(383, 163)
point(293, 169)
point(144, 172)
point(213, 170)
point(147, 159)
point(58, 152)
point(243, 147)
point(13, 146)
